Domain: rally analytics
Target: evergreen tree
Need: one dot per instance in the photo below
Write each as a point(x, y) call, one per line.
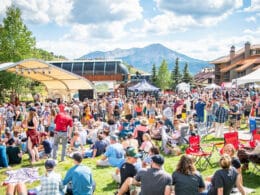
point(16, 41)
point(187, 78)
point(176, 74)
point(163, 77)
point(154, 74)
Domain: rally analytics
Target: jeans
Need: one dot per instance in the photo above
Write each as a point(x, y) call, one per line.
point(64, 140)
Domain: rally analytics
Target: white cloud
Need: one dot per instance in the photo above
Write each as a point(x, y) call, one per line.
point(199, 8)
point(251, 19)
point(105, 11)
point(255, 32)
point(180, 15)
point(43, 11)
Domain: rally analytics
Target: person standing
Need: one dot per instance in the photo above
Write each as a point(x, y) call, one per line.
point(80, 176)
point(64, 124)
point(221, 117)
point(32, 135)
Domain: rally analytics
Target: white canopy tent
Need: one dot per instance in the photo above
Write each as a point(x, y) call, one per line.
point(212, 86)
point(183, 87)
point(54, 78)
point(253, 77)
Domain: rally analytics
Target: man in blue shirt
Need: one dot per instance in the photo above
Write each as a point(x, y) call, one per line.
point(80, 176)
point(114, 155)
point(199, 107)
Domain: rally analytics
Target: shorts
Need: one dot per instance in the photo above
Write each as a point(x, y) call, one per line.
point(232, 122)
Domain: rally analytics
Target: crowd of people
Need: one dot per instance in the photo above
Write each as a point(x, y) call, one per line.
point(125, 131)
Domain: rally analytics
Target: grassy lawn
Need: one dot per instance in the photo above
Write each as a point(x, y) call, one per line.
point(103, 178)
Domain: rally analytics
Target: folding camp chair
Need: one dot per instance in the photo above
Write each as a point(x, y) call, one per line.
point(255, 138)
point(202, 130)
point(202, 158)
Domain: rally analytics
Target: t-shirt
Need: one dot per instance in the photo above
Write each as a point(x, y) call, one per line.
point(236, 163)
point(115, 154)
point(100, 145)
point(223, 178)
point(47, 146)
point(153, 181)
point(81, 178)
point(127, 170)
point(187, 184)
point(12, 153)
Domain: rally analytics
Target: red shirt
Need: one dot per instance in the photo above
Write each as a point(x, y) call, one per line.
point(62, 122)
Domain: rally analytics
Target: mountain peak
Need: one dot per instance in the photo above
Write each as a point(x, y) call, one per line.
point(144, 58)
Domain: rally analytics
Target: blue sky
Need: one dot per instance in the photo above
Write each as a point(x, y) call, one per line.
point(203, 29)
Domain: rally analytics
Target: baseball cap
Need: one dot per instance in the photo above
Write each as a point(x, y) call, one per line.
point(50, 164)
point(158, 159)
point(131, 152)
point(113, 137)
point(32, 109)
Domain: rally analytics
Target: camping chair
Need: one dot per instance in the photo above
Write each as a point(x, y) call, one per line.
point(255, 138)
point(202, 158)
point(202, 130)
point(184, 135)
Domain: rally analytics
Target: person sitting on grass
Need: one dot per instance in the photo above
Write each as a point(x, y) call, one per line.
point(45, 148)
point(225, 178)
point(19, 188)
point(51, 182)
point(13, 152)
point(80, 177)
point(75, 144)
point(148, 160)
point(114, 155)
point(128, 169)
point(3, 155)
point(153, 181)
point(98, 148)
point(186, 179)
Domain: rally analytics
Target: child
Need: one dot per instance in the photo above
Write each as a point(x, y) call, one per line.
point(46, 146)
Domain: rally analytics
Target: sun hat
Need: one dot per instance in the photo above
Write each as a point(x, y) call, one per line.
point(144, 122)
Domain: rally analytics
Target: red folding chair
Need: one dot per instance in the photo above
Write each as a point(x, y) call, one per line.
point(255, 138)
point(202, 158)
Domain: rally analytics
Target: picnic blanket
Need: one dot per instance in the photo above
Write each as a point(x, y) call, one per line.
point(22, 175)
point(247, 190)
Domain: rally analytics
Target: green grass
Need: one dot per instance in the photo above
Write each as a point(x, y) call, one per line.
point(103, 178)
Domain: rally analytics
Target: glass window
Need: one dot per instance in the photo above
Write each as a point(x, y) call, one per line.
point(67, 66)
point(88, 68)
point(77, 68)
point(57, 64)
point(110, 68)
point(99, 68)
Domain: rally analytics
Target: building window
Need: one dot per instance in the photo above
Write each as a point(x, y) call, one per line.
point(77, 68)
point(67, 66)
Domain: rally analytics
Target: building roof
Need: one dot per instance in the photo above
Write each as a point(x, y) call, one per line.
point(225, 59)
point(93, 67)
point(244, 63)
point(51, 76)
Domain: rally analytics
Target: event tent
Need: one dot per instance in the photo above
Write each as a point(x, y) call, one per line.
point(212, 86)
point(54, 78)
point(253, 77)
point(183, 87)
point(143, 86)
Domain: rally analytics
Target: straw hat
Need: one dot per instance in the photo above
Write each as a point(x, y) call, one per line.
point(144, 122)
